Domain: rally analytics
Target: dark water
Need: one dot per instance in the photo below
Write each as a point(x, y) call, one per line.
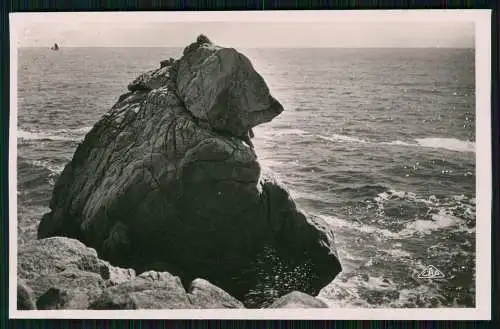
point(378, 142)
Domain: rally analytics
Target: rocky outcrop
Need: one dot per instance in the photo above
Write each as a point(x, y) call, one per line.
point(203, 294)
point(220, 88)
point(154, 290)
point(69, 289)
point(167, 62)
point(166, 181)
point(62, 273)
point(25, 298)
point(150, 290)
point(297, 299)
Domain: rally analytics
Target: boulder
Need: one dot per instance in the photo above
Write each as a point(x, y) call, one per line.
point(62, 273)
point(203, 294)
point(162, 290)
point(167, 62)
point(220, 87)
point(54, 255)
point(297, 299)
point(70, 289)
point(25, 298)
point(150, 290)
point(165, 182)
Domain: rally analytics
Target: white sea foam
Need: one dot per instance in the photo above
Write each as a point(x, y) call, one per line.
point(269, 134)
point(28, 135)
point(397, 253)
point(56, 169)
point(398, 142)
point(347, 289)
point(443, 219)
point(451, 144)
point(341, 224)
point(439, 221)
point(422, 292)
point(344, 138)
point(82, 130)
point(54, 135)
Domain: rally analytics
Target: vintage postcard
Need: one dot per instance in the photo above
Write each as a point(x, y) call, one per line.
point(250, 165)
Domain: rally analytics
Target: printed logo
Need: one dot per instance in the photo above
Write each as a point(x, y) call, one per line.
point(431, 272)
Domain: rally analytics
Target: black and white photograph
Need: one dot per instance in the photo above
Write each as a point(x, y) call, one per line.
point(320, 165)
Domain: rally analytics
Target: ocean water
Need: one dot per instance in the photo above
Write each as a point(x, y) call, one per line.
point(378, 142)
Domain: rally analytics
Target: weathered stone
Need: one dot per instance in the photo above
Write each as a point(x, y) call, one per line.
point(167, 62)
point(116, 275)
point(151, 80)
point(49, 256)
point(59, 277)
point(220, 86)
point(70, 289)
point(150, 290)
point(297, 299)
point(25, 298)
point(203, 294)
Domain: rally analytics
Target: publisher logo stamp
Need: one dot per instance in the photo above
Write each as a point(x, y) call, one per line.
point(431, 272)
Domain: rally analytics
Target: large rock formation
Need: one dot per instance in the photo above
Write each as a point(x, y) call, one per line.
point(167, 180)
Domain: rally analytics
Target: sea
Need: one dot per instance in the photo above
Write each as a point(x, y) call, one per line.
point(380, 143)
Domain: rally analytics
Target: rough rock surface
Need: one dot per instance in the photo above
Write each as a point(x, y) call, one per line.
point(70, 289)
point(25, 298)
point(220, 87)
point(49, 256)
point(297, 299)
point(203, 294)
point(165, 182)
point(150, 290)
point(62, 273)
point(154, 290)
point(53, 256)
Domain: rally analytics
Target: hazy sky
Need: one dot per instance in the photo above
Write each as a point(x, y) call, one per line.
point(89, 30)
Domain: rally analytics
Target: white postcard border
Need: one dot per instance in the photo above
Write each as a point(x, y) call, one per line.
point(482, 20)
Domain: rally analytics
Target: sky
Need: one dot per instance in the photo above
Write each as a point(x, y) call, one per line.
point(150, 29)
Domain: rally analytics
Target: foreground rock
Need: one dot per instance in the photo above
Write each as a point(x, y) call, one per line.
point(297, 299)
point(153, 290)
point(167, 180)
point(205, 295)
point(62, 273)
point(25, 298)
point(150, 290)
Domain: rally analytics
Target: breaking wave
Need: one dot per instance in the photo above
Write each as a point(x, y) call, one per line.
point(55, 135)
point(386, 237)
point(450, 144)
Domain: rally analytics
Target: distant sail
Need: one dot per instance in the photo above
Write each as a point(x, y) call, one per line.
point(55, 47)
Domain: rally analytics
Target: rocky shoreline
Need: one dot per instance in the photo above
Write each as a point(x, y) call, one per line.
point(167, 184)
point(62, 273)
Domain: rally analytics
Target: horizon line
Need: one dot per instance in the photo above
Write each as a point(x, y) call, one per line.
point(261, 47)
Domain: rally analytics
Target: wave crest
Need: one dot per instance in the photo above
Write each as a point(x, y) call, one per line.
point(54, 135)
point(451, 144)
